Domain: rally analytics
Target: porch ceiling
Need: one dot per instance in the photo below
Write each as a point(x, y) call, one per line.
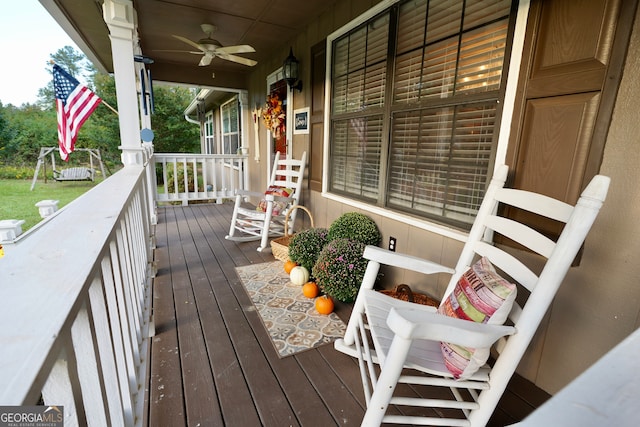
point(265, 25)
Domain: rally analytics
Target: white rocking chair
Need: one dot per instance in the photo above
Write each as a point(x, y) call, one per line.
point(250, 223)
point(393, 335)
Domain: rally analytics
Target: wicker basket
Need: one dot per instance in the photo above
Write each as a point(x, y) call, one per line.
point(280, 246)
point(404, 293)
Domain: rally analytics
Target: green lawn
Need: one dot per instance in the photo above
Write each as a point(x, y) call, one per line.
point(18, 202)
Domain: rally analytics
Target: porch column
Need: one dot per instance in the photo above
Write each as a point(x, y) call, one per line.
point(120, 18)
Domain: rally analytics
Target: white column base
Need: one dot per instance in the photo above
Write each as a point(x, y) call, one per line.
point(10, 229)
point(47, 207)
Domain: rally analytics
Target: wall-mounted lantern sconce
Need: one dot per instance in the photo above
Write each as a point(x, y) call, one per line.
point(290, 69)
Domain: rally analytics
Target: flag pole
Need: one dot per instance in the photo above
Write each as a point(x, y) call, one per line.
point(109, 107)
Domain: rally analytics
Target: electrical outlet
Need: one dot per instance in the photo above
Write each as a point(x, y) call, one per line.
point(392, 244)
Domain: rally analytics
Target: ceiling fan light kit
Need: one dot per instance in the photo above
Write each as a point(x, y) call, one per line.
point(208, 29)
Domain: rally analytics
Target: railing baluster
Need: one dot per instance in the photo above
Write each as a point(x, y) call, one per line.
point(205, 176)
point(59, 390)
point(125, 372)
point(105, 350)
point(176, 191)
point(129, 293)
point(165, 181)
point(194, 164)
point(224, 177)
point(89, 369)
point(137, 252)
point(138, 239)
point(214, 175)
point(130, 352)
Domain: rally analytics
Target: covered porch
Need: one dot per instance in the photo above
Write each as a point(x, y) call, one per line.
point(133, 314)
point(149, 325)
point(212, 362)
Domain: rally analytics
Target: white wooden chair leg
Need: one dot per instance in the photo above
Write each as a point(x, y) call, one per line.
point(234, 218)
point(387, 381)
point(264, 240)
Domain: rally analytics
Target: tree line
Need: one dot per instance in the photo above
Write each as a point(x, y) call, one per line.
point(24, 129)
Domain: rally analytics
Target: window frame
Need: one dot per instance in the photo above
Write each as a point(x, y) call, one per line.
point(513, 58)
point(209, 133)
point(223, 131)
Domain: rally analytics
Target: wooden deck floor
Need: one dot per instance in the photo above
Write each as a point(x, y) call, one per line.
point(212, 363)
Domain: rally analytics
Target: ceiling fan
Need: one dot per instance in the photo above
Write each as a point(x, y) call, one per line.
point(212, 48)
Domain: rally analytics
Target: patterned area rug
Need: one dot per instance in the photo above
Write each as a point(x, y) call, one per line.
point(291, 319)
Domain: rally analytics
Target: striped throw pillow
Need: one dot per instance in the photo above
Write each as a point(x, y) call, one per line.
point(278, 206)
point(481, 295)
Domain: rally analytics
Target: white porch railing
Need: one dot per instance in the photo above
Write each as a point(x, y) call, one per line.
point(75, 306)
point(189, 177)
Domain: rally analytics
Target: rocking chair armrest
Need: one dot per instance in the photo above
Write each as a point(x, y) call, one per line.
point(266, 197)
point(416, 323)
point(273, 197)
point(408, 262)
point(247, 193)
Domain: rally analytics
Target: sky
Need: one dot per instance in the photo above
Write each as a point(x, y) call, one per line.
point(28, 36)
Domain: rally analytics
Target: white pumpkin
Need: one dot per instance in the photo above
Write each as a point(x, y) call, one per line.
point(299, 275)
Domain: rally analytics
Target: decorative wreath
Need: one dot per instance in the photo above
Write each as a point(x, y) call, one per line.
point(274, 116)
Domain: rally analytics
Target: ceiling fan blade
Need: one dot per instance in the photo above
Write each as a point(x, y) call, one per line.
point(189, 42)
point(206, 60)
point(243, 48)
point(179, 51)
point(238, 59)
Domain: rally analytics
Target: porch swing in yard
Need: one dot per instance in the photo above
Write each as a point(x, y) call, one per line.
point(77, 173)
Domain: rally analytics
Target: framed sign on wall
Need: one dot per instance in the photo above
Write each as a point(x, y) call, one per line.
point(301, 121)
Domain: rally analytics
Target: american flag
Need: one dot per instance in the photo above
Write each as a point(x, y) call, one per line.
point(74, 104)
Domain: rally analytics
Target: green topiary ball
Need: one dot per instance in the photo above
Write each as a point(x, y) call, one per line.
point(340, 269)
point(355, 226)
point(306, 245)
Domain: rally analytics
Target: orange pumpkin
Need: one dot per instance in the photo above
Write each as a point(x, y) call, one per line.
point(288, 266)
point(310, 290)
point(324, 305)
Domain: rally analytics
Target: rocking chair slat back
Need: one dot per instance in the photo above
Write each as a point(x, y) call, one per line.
point(410, 336)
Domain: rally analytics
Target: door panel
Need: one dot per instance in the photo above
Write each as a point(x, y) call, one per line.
point(555, 143)
point(566, 92)
point(573, 46)
point(555, 147)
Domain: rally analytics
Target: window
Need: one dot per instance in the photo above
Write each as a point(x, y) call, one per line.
point(230, 126)
point(415, 94)
point(209, 135)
